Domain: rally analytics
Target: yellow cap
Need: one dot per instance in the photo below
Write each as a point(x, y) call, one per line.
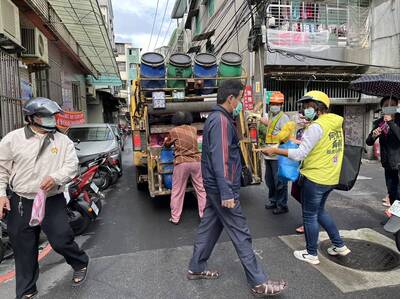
point(317, 96)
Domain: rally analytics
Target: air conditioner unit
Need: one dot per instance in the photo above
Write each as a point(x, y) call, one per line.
point(9, 22)
point(90, 90)
point(35, 43)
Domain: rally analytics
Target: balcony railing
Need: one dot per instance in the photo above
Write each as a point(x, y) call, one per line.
point(318, 25)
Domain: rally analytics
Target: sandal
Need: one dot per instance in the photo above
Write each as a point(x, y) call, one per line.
point(173, 222)
point(79, 277)
point(300, 230)
point(202, 275)
point(29, 296)
point(270, 288)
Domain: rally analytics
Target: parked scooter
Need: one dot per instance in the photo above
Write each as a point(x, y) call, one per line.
point(393, 224)
point(6, 250)
point(83, 196)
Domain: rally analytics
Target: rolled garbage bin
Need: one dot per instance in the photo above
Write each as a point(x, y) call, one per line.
point(230, 65)
point(167, 156)
point(179, 66)
point(205, 66)
point(152, 66)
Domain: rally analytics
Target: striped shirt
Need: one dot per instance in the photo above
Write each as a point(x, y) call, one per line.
point(184, 139)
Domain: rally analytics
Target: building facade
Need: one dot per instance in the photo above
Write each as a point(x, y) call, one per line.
point(46, 52)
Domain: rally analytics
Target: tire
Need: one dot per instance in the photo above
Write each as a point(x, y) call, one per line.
point(97, 200)
point(102, 179)
point(2, 251)
point(397, 239)
point(141, 186)
point(78, 220)
point(114, 175)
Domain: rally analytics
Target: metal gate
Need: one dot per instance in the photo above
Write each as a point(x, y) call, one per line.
point(11, 116)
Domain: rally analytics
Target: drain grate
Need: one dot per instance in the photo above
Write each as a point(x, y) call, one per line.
point(364, 256)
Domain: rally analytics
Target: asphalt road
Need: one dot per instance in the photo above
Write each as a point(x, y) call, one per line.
point(136, 253)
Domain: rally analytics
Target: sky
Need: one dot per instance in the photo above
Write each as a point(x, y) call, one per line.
point(133, 20)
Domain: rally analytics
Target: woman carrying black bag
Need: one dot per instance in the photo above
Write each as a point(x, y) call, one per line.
point(387, 129)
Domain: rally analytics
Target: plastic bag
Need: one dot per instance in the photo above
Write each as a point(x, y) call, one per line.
point(288, 169)
point(38, 208)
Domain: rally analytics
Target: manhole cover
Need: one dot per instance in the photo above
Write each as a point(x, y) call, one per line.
point(364, 256)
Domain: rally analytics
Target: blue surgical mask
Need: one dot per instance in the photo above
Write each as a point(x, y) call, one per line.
point(48, 121)
point(310, 113)
point(275, 109)
point(238, 109)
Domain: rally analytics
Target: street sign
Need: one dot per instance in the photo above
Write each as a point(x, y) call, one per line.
point(248, 100)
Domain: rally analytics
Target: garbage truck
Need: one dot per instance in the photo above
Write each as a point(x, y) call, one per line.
point(159, 91)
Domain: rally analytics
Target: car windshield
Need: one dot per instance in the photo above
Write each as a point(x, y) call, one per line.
point(90, 134)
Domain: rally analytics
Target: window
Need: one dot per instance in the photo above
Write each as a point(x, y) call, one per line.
point(42, 83)
point(122, 66)
point(123, 87)
point(76, 96)
point(130, 51)
point(211, 7)
point(132, 66)
point(91, 134)
point(120, 49)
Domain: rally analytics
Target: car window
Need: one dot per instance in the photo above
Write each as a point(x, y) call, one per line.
point(91, 134)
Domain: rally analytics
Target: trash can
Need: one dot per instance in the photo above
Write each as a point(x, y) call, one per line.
point(205, 66)
point(179, 66)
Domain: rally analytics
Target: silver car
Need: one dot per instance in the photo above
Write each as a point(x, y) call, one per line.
point(95, 139)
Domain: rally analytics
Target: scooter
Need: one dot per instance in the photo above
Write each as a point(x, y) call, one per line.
point(84, 197)
point(6, 250)
point(393, 224)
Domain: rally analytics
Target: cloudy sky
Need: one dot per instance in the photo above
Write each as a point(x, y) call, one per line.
point(133, 20)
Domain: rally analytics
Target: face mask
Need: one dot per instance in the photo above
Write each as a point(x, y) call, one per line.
point(309, 113)
point(275, 109)
point(48, 122)
point(238, 109)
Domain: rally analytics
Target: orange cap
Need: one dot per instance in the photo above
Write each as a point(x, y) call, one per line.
point(277, 98)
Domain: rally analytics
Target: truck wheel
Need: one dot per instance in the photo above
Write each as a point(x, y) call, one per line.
point(141, 186)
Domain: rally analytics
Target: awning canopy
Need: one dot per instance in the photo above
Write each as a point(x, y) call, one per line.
point(84, 20)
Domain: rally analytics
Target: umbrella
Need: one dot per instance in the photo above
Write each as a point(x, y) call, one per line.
point(383, 85)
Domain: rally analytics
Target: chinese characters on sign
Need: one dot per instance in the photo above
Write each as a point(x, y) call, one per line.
point(248, 100)
point(68, 119)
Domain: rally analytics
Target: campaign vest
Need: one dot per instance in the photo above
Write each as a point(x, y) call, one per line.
point(324, 163)
point(269, 138)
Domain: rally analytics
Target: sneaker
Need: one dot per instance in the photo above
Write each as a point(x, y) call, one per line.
point(342, 251)
point(304, 256)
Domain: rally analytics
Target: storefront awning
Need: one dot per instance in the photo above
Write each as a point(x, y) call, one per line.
point(85, 22)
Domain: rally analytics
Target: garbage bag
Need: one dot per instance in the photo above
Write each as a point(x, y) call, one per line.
point(288, 169)
point(350, 167)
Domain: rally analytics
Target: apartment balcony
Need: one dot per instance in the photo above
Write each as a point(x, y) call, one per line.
point(332, 30)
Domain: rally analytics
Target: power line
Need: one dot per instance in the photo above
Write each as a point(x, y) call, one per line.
point(152, 28)
point(166, 33)
point(162, 23)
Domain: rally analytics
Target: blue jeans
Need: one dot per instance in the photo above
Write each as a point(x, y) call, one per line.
point(277, 190)
point(314, 197)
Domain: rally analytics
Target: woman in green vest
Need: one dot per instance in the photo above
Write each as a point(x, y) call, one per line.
point(321, 153)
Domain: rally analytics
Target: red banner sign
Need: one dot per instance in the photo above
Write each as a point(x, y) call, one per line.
point(248, 100)
point(68, 119)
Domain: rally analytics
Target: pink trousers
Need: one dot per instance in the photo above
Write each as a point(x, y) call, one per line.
point(181, 174)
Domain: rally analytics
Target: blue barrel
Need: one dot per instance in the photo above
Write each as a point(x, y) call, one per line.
point(205, 66)
point(152, 66)
point(167, 156)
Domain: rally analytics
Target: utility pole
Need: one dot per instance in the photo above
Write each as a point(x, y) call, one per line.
point(258, 62)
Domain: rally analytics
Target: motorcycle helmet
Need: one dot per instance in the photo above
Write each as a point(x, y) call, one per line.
point(43, 108)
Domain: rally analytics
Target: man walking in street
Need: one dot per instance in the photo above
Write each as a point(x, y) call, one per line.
point(277, 190)
point(33, 158)
point(221, 168)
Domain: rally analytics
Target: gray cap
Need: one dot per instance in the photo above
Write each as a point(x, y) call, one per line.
point(41, 107)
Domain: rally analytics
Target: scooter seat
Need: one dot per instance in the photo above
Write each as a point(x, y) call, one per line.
point(86, 159)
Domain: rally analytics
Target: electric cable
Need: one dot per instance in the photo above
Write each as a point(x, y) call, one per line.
point(152, 28)
point(162, 23)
